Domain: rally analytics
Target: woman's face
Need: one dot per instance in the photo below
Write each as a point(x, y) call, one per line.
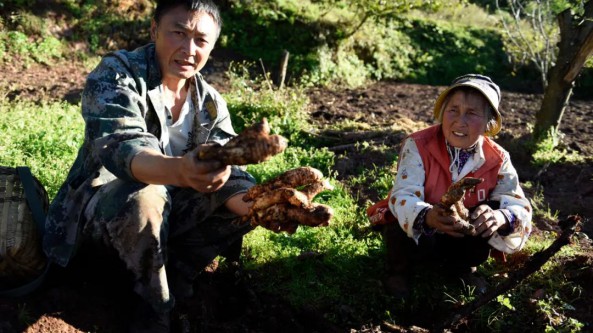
point(464, 118)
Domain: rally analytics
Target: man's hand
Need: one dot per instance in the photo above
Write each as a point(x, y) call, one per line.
point(152, 167)
point(203, 175)
point(487, 220)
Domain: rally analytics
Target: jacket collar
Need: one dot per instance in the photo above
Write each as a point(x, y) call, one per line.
point(484, 159)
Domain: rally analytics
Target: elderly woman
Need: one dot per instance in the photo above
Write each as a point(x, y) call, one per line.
point(434, 158)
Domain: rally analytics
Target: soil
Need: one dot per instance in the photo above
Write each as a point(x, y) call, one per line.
point(380, 114)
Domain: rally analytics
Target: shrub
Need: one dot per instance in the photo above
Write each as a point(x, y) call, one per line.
point(444, 51)
point(253, 99)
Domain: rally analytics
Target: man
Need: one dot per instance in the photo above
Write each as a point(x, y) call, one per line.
point(137, 187)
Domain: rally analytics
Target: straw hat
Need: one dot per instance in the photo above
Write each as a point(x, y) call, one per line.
point(483, 84)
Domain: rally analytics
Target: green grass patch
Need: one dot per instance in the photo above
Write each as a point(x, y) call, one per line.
point(44, 137)
point(547, 151)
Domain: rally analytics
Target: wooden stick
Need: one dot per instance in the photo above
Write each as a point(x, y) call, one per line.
point(282, 69)
point(261, 62)
point(532, 265)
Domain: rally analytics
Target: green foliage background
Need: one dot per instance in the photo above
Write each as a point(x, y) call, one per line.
point(427, 42)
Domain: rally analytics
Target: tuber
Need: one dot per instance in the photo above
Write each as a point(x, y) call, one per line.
point(302, 176)
point(279, 206)
point(452, 202)
point(253, 145)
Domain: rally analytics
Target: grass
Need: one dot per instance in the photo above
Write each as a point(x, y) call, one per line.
point(546, 151)
point(44, 137)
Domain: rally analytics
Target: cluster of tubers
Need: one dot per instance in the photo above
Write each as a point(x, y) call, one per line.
point(284, 203)
point(253, 145)
point(452, 202)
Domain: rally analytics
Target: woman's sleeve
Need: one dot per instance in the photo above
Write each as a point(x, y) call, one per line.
point(509, 193)
point(406, 200)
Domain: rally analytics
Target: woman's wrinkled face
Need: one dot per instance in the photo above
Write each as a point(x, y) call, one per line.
point(464, 118)
point(183, 41)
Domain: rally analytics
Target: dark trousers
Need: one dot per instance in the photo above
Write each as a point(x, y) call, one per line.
point(456, 254)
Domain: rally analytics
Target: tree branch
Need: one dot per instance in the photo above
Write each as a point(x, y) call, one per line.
point(585, 33)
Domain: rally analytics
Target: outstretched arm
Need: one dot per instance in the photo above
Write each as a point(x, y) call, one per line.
point(152, 167)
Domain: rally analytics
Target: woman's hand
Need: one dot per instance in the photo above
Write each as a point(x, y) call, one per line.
point(437, 218)
point(487, 220)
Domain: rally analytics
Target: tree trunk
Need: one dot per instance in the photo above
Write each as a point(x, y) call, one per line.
point(556, 97)
point(576, 45)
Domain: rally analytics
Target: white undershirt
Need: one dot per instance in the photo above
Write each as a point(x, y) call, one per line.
point(179, 138)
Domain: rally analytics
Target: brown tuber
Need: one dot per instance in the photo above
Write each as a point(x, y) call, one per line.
point(302, 176)
point(279, 206)
point(253, 145)
point(452, 202)
point(286, 217)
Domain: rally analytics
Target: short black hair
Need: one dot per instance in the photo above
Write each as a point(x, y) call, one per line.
point(207, 6)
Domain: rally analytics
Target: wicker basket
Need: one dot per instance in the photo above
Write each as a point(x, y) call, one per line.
point(21, 256)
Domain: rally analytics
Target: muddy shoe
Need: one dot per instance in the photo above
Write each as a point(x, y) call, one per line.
point(146, 320)
point(397, 285)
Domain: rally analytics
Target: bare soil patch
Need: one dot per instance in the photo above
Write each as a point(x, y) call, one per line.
point(70, 301)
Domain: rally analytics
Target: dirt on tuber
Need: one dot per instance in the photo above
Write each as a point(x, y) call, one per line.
point(284, 203)
point(253, 145)
point(452, 203)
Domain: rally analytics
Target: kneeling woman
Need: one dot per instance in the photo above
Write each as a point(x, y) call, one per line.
point(430, 161)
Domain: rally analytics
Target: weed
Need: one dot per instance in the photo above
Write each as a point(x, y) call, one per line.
point(254, 98)
point(29, 24)
point(541, 209)
point(546, 151)
point(24, 316)
point(48, 49)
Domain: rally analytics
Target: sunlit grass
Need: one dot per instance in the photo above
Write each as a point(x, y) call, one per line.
point(44, 137)
point(547, 151)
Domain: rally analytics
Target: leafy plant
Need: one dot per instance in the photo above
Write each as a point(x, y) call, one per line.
point(43, 50)
point(541, 210)
point(546, 151)
point(254, 99)
point(24, 314)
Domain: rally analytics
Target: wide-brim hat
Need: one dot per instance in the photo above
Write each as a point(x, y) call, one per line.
point(483, 84)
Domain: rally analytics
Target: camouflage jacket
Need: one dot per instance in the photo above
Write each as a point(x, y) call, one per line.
point(124, 114)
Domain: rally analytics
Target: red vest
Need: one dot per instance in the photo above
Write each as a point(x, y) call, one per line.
point(432, 147)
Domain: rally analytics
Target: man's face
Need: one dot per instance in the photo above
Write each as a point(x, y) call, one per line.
point(183, 40)
point(464, 119)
